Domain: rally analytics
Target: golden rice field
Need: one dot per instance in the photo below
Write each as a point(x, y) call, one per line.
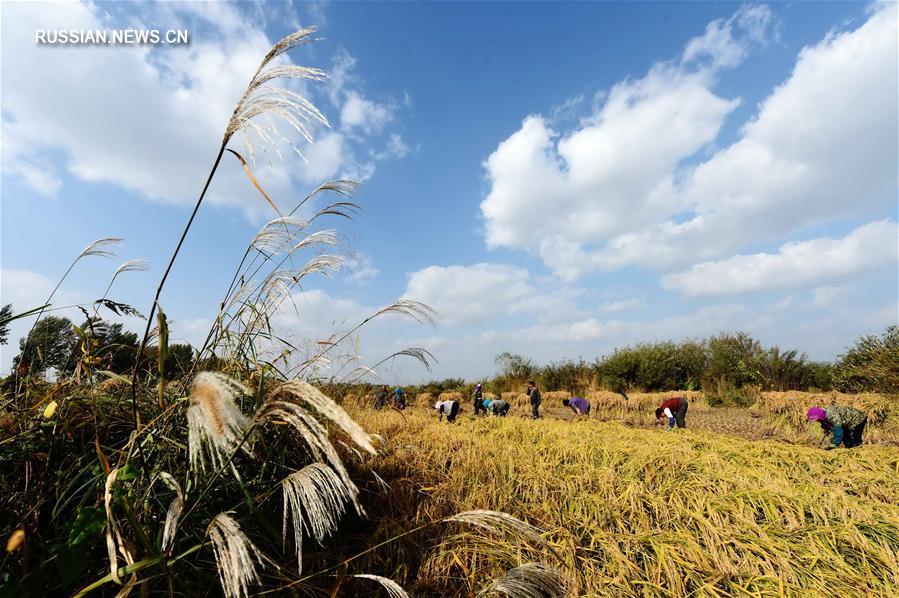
point(638, 511)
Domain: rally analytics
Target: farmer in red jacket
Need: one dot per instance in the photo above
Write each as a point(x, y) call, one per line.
point(675, 409)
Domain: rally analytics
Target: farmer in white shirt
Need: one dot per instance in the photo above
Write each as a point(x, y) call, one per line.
point(448, 408)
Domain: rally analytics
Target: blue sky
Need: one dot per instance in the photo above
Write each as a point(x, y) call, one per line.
point(556, 179)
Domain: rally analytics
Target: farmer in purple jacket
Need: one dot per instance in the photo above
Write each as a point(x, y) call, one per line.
point(578, 405)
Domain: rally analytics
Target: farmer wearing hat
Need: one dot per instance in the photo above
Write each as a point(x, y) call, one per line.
point(844, 424)
point(479, 401)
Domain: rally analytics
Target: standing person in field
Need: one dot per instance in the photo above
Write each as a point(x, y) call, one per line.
point(399, 398)
point(479, 401)
point(381, 397)
point(497, 407)
point(578, 405)
point(448, 408)
point(675, 409)
point(534, 395)
point(844, 424)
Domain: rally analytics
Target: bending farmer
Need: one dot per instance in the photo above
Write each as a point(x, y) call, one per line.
point(448, 408)
point(846, 424)
point(675, 409)
point(578, 405)
point(497, 407)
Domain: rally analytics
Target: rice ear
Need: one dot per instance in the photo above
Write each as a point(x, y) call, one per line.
point(394, 590)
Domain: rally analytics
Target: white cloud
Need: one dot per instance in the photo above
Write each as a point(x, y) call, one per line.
point(359, 112)
point(613, 174)
point(470, 294)
point(623, 305)
point(719, 46)
point(796, 265)
point(619, 190)
point(359, 269)
point(149, 119)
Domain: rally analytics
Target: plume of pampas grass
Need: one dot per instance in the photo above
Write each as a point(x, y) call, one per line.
point(216, 425)
point(303, 392)
point(100, 248)
point(502, 524)
point(310, 430)
point(531, 580)
point(173, 513)
point(235, 555)
point(394, 590)
point(315, 499)
point(260, 99)
point(277, 234)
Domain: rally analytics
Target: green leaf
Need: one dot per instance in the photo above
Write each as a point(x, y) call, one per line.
point(89, 521)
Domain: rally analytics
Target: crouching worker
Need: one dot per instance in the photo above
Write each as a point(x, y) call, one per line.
point(479, 401)
point(448, 408)
point(675, 409)
point(497, 407)
point(844, 424)
point(578, 405)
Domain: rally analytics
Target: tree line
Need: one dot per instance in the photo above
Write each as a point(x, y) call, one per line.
point(729, 366)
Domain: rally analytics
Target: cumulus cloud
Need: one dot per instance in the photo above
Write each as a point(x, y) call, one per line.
point(466, 295)
point(148, 119)
point(622, 188)
point(795, 265)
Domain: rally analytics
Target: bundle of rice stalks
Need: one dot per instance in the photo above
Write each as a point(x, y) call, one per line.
point(450, 396)
point(515, 399)
point(556, 396)
point(647, 512)
point(784, 414)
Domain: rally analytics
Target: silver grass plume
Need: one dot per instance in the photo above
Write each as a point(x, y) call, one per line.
point(311, 431)
point(216, 425)
point(261, 100)
point(234, 556)
point(100, 248)
point(173, 513)
point(531, 580)
point(137, 265)
point(502, 524)
point(315, 499)
point(394, 590)
point(301, 391)
point(278, 234)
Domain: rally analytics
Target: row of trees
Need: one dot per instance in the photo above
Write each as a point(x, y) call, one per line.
point(57, 344)
point(725, 364)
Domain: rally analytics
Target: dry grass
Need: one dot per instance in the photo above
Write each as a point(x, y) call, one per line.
point(641, 512)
